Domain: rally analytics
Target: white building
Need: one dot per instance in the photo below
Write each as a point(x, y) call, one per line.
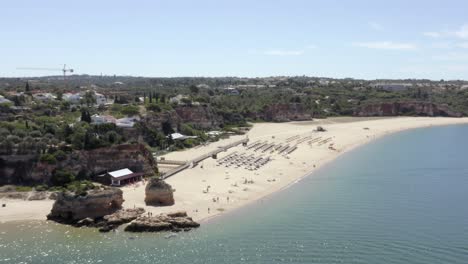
point(179, 99)
point(127, 121)
point(3, 100)
point(231, 91)
point(44, 97)
point(123, 176)
point(214, 133)
point(72, 98)
point(100, 99)
point(179, 136)
point(102, 119)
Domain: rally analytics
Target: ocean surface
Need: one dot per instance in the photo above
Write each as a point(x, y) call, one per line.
point(400, 199)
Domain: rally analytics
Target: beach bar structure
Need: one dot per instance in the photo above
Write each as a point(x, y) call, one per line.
point(123, 176)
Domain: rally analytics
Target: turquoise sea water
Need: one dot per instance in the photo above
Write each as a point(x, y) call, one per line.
point(400, 199)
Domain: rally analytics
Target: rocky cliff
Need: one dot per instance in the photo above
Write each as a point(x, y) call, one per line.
point(70, 208)
point(27, 170)
point(199, 116)
point(155, 121)
point(202, 117)
point(405, 108)
point(158, 193)
point(136, 157)
point(18, 169)
point(286, 112)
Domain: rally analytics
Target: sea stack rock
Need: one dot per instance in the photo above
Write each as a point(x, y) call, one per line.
point(70, 208)
point(158, 193)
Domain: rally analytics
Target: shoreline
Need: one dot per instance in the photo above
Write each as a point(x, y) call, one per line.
point(348, 134)
point(323, 166)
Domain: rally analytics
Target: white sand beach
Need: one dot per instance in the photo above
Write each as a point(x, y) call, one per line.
point(211, 188)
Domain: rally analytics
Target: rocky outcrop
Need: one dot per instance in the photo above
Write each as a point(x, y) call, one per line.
point(27, 170)
point(155, 121)
point(406, 108)
point(158, 193)
point(110, 222)
point(169, 222)
point(70, 208)
point(202, 117)
point(136, 157)
point(18, 169)
point(286, 112)
point(123, 216)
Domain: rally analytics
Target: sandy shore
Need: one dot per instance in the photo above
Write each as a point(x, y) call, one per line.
point(231, 187)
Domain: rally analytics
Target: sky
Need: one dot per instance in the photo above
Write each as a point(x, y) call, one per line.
point(366, 39)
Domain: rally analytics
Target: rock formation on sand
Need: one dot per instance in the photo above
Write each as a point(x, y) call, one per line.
point(158, 193)
point(70, 208)
point(171, 222)
point(118, 218)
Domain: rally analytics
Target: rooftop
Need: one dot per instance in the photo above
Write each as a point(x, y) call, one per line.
point(120, 173)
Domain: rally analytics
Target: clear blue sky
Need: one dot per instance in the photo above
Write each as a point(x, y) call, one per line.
point(360, 38)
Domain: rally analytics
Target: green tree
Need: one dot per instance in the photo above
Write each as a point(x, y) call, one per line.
point(85, 116)
point(194, 89)
point(62, 177)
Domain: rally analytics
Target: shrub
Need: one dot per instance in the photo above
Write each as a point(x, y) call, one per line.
point(41, 188)
point(13, 138)
point(60, 155)
point(130, 110)
point(153, 107)
point(48, 158)
point(23, 188)
point(35, 134)
point(62, 177)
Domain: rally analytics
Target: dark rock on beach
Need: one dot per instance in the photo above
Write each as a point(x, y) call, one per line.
point(170, 222)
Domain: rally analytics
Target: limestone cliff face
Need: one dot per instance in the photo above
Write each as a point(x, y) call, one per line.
point(70, 208)
point(133, 156)
point(199, 116)
point(286, 112)
point(26, 169)
point(158, 193)
point(202, 117)
point(17, 169)
point(155, 120)
point(405, 108)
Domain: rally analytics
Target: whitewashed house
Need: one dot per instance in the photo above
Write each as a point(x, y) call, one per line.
point(72, 98)
point(102, 119)
point(127, 121)
point(3, 100)
point(100, 99)
point(44, 97)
